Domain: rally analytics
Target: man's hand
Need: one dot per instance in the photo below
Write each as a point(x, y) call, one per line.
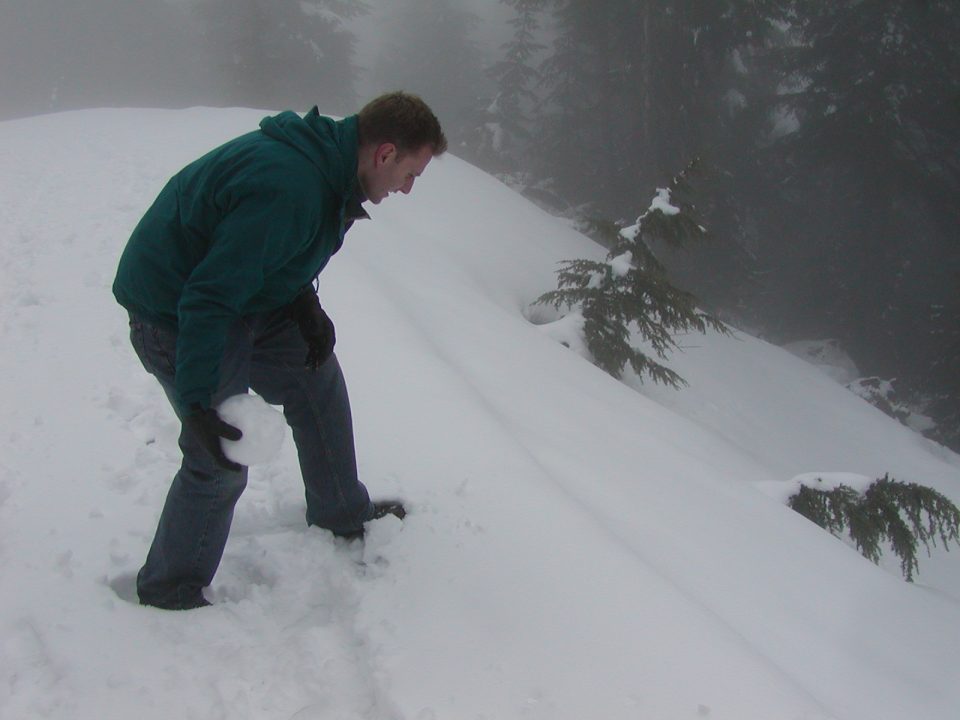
point(207, 426)
point(315, 327)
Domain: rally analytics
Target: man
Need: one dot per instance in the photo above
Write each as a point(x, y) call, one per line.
point(218, 280)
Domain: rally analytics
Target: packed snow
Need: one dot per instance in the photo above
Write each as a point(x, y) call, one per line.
point(825, 481)
point(576, 547)
point(661, 202)
point(621, 264)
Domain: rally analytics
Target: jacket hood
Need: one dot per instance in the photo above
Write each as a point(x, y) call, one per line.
point(331, 145)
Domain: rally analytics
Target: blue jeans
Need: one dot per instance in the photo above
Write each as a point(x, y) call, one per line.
point(264, 352)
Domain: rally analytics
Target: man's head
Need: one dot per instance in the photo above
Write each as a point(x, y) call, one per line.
point(399, 135)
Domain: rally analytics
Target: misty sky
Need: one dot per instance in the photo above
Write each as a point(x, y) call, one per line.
point(67, 54)
point(490, 33)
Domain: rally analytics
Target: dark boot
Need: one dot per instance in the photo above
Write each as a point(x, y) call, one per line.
point(381, 509)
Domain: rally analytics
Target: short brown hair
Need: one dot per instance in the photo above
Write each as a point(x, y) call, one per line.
point(402, 119)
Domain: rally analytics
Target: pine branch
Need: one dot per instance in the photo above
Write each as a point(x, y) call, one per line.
point(901, 514)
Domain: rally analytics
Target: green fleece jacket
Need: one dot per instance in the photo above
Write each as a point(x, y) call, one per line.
point(241, 230)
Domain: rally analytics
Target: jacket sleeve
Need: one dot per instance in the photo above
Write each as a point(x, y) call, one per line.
point(259, 233)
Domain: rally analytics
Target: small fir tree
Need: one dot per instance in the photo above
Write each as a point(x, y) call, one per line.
point(889, 511)
point(630, 291)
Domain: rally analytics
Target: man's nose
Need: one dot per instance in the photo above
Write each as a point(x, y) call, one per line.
point(407, 187)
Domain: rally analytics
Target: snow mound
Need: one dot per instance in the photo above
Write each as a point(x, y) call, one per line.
point(828, 356)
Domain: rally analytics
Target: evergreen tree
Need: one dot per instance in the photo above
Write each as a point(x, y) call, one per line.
point(282, 54)
point(863, 219)
point(583, 112)
point(429, 50)
point(830, 134)
point(631, 87)
point(506, 136)
point(942, 386)
point(630, 292)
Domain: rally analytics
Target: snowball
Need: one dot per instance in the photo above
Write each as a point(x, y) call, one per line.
point(262, 426)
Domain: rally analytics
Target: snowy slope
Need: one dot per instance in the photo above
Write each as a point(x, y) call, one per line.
point(575, 548)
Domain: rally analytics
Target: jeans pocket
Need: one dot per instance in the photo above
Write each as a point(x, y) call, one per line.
point(156, 348)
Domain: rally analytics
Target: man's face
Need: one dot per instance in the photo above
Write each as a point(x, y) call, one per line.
point(390, 172)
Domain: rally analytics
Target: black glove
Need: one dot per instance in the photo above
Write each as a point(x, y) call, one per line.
point(207, 426)
point(315, 327)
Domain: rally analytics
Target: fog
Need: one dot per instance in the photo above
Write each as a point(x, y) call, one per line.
point(377, 30)
point(840, 224)
point(61, 54)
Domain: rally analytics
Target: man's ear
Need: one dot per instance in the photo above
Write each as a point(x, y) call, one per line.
point(384, 152)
